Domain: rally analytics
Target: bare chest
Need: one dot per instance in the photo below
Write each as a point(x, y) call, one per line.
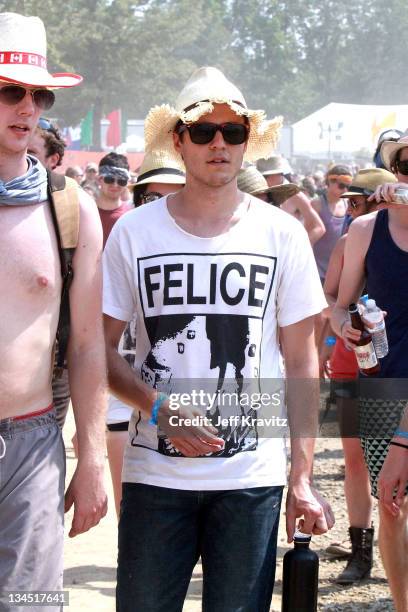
point(29, 259)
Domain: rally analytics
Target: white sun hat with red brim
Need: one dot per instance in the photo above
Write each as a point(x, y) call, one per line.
point(23, 54)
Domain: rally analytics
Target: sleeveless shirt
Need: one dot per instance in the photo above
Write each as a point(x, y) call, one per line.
point(324, 247)
point(387, 283)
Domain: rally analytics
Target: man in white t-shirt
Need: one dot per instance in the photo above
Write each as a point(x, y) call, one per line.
point(218, 281)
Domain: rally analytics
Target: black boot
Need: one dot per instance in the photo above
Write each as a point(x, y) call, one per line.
point(361, 560)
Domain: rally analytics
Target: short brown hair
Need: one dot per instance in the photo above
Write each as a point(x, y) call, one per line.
point(54, 143)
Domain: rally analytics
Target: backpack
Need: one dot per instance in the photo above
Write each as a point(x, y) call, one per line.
point(64, 199)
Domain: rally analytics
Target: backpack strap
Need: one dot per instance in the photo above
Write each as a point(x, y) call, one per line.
point(64, 199)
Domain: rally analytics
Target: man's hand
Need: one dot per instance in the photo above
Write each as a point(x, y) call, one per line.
point(385, 193)
point(394, 475)
point(305, 501)
point(189, 440)
point(87, 492)
point(349, 335)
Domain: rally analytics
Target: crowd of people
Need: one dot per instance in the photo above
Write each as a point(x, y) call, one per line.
point(155, 303)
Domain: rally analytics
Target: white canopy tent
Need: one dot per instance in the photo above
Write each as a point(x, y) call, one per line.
point(339, 130)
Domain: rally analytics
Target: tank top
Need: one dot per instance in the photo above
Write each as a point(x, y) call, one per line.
point(387, 283)
point(324, 247)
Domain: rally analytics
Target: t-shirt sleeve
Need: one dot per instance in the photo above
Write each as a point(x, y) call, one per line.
point(119, 289)
point(300, 293)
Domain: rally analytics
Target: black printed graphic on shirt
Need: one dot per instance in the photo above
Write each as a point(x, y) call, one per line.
point(127, 345)
point(203, 315)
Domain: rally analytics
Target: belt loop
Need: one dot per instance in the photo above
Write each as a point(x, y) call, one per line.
point(3, 444)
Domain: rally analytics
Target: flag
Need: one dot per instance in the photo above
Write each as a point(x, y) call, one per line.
point(87, 130)
point(72, 137)
point(114, 133)
point(124, 126)
point(386, 122)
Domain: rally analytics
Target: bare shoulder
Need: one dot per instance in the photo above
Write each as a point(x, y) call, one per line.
point(316, 204)
point(87, 206)
point(361, 231)
point(301, 199)
point(90, 227)
point(289, 206)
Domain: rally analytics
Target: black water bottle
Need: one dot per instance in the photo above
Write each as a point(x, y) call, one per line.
point(300, 576)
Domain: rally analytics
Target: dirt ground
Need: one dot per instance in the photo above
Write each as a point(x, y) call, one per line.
point(90, 559)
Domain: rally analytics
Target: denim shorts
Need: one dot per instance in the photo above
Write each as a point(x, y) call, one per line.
point(163, 532)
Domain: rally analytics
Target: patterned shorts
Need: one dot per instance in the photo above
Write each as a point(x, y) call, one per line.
point(379, 418)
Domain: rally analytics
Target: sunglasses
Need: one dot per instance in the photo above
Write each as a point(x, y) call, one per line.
point(110, 180)
point(145, 198)
point(204, 133)
point(11, 95)
point(339, 184)
point(353, 204)
point(402, 167)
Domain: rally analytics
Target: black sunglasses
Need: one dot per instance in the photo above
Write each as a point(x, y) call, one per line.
point(339, 184)
point(145, 198)
point(109, 180)
point(10, 95)
point(204, 133)
point(402, 167)
point(353, 204)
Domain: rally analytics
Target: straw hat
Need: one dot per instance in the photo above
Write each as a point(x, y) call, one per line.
point(250, 180)
point(160, 167)
point(390, 148)
point(276, 164)
point(23, 53)
point(208, 86)
point(366, 182)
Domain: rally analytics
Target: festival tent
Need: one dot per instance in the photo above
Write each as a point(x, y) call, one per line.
point(340, 130)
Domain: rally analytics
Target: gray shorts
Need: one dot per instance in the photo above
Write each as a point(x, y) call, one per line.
point(32, 475)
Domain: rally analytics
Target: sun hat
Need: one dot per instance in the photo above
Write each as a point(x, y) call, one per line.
point(91, 166)
point(160, 167)
point(275, 164)
point(366, 182)
point(390, 148)
point(23, 54)
point(205, 87)
point(250, 180)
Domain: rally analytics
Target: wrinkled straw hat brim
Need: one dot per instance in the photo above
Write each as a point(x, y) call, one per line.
point(161, 121)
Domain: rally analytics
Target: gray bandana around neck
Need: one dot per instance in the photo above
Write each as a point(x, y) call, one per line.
point(31, 188)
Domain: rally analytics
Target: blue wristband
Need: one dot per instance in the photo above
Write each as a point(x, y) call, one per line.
point(162, 397)
point(401, 434)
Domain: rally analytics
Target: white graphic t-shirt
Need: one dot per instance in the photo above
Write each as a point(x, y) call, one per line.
point(208, 312)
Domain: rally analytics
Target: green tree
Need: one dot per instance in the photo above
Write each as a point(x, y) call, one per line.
point(288, 56)
point(94, 38)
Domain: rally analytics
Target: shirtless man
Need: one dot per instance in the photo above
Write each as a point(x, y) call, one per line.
point(32, 462)
point(275, 169)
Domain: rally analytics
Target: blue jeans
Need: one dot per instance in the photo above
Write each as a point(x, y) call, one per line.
point(163, 532)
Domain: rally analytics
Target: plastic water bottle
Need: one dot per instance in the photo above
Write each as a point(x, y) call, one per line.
point(300, 576)
point(362, 304)
point(401, 196)
point(374, 315)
